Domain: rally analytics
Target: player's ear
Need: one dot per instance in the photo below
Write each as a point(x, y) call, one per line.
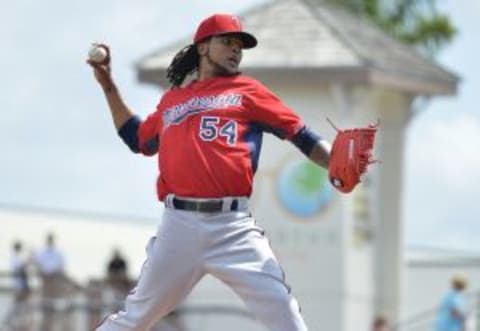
point(202, 47)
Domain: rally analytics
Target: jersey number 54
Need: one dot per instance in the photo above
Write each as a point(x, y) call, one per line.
point(211, 130)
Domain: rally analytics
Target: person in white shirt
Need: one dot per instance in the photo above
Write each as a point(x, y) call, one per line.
point(50, 264)
point(50, 260)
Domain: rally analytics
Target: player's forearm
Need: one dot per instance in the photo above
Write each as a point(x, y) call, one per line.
point(320, 153)
point(118, 109)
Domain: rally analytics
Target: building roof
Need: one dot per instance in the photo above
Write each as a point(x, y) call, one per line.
point(313, 41)
point(427, 256)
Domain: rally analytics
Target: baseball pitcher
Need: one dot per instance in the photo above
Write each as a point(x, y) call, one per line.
point(207, 135)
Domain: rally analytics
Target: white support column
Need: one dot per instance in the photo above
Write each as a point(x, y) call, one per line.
point(393, 110)
point(356, 264)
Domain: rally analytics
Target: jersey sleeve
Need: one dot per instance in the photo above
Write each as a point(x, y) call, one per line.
point(143, 136)
point(266, 109)
point(148, 133)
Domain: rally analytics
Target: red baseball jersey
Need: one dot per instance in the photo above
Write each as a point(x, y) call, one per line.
point(208, 135)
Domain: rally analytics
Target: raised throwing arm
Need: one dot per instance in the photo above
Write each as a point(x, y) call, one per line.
point(120, 112)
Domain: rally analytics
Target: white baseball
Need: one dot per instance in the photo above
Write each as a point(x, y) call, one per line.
point(97, 53)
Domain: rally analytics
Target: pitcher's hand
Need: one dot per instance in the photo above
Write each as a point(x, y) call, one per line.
point(102, 71)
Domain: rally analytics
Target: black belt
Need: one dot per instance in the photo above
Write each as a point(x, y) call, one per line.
point(210, 206)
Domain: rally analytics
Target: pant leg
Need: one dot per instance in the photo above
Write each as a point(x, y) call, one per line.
point(244, 260)
point(171, 270)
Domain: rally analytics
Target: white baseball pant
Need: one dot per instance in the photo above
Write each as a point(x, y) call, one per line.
point(227, 245)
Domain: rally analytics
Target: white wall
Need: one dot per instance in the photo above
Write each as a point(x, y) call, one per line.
point(87, 243)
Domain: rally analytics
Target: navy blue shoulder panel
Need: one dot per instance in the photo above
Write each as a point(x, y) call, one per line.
point(128, 133)
point(253, 137)
point(305, 139)
point(279, 133)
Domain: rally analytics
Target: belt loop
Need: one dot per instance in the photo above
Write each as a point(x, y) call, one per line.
point(169, 200)
point(226, 204)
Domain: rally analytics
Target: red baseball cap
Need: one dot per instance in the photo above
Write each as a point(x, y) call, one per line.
point(219, 24)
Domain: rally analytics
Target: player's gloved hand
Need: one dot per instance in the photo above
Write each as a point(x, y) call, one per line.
point(102, 70)
point(350, 155)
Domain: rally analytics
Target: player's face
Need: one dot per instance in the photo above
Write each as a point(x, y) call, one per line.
point(225, 54)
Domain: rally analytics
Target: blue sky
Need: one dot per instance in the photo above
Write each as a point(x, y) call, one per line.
point(60, 149)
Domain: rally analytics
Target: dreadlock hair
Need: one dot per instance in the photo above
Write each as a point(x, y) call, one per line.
point(185, 62)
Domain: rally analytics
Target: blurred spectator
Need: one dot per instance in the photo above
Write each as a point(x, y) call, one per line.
point(117, 266)
point(49, 260)
point(117, 273)
point(19, 317)
point(111, 296)
point(453, 309)
point(56, 290)
point(19, 269)
point(380, 324)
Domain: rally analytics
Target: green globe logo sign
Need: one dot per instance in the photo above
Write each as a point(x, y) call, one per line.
point(304, 188)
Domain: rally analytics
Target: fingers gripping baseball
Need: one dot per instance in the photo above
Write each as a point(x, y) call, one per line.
point(99, 59)
point(350, 156)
